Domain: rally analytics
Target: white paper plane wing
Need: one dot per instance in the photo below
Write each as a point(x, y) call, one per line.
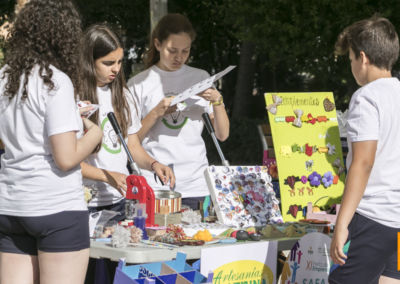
point(200, 86)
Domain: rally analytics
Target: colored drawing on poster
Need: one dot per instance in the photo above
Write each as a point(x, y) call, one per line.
point(308, 260)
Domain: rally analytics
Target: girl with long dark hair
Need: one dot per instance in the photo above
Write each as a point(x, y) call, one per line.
point(44, 231)
point(102, 82)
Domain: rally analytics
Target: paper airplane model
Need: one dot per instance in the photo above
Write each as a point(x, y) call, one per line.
point(200, 86)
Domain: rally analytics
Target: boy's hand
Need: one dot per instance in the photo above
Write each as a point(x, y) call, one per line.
point(339, 239)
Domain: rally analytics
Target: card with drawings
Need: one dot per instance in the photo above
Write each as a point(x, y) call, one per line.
point(200, 86)
point(243, 195)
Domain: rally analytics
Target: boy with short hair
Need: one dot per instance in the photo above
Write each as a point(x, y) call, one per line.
point(370, 212)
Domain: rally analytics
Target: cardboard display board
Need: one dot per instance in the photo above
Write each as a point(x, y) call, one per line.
point(243, 195)
point(308, 260)
point(308, 150)
point(167, 272)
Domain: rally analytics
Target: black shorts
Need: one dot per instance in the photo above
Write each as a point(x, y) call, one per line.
point(372, 253)
point(61, 232)
point(193, 202)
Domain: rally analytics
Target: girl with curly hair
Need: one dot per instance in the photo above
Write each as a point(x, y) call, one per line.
point(103, 83)
point(44, 234)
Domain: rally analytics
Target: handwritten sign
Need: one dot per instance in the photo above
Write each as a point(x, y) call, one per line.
point(247, 263)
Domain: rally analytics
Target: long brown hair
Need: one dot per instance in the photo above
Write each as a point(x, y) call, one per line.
point(45, 32)
point(98, 41)
point(169, 24)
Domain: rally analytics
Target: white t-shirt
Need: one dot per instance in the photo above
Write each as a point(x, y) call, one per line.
point(30, 182)
point(374, 114)
point(112, 155)
point(175, 140)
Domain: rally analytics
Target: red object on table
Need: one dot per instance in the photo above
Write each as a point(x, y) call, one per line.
point(144, 194)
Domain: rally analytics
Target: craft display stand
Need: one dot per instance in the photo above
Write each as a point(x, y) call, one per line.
point(308, 151)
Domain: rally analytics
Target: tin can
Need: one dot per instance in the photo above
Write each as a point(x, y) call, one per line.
point(167, 198)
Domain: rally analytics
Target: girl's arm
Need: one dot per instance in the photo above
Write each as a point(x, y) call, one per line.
point(151, 118)
point(356, 182)
point(115, 179)
point(144, 161)
point(219, 118)
point(68, 151)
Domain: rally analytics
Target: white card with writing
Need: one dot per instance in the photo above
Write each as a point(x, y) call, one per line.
point(200, 86)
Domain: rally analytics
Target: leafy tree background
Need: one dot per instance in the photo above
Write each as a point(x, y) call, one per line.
point(278, 45)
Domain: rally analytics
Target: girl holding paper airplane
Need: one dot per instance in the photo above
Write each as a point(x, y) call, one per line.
point(172, 134)
point(103, 83)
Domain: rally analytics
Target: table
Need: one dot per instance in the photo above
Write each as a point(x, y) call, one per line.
point(137, 255)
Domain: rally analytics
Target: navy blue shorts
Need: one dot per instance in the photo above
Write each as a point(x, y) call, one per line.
point(61, 232)
point(372, 253)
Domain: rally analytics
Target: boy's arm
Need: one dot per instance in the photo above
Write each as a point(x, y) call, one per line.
point(357, 179)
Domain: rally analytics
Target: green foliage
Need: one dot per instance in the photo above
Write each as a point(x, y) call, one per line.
point(131, 19)
point(294, 48)
point(6, 10)
point(295, 41)
point(216, 45)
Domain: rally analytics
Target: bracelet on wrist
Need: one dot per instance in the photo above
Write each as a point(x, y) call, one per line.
point(218, 102)
point(152, 165)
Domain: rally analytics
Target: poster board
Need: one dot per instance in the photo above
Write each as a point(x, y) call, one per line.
point(247, 263)
point(243, 195)
point(308, 150)
point(308, 260)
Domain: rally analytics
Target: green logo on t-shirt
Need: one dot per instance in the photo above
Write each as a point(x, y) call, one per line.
point(110, 139)
point(174, 125)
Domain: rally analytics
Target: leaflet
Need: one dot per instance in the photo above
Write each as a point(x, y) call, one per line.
point(200, 86)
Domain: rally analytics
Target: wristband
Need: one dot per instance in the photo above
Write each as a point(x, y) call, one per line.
point(218, 102)
point(152, 165)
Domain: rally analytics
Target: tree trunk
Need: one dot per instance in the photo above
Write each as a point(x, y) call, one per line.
point(245, 80)
point(158, 9)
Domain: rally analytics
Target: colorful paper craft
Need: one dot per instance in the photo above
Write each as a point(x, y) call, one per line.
point(243, 195)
